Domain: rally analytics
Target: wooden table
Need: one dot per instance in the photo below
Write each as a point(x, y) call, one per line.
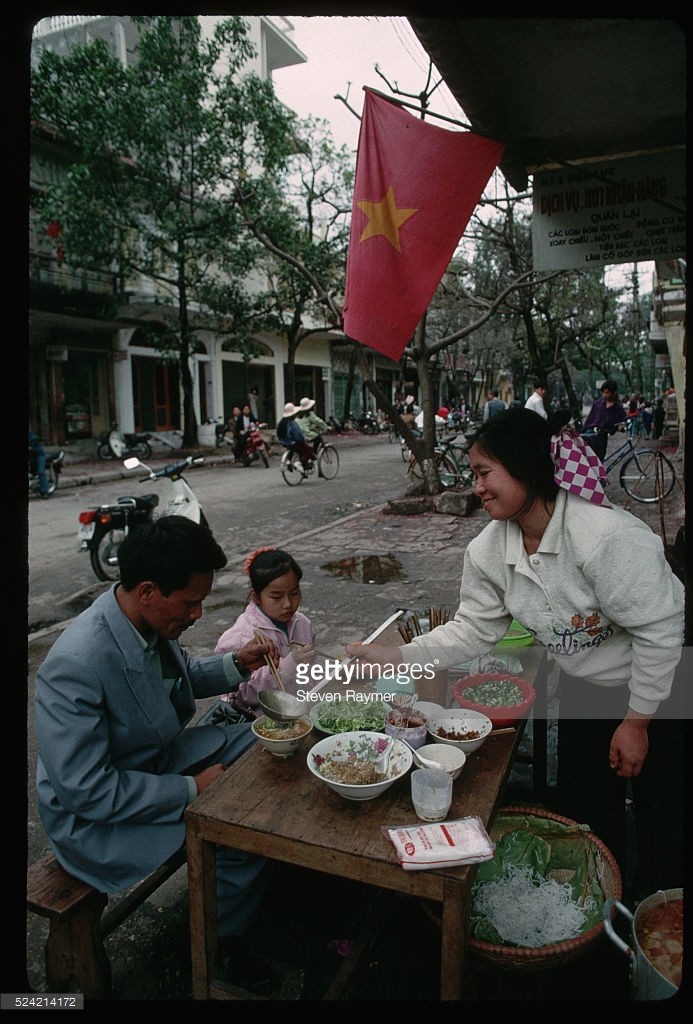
point(274, 807)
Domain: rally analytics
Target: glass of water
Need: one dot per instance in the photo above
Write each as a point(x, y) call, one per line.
point(431, 793)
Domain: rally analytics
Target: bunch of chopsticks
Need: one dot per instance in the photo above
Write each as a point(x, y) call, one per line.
point(261, 638)
point(411, 627)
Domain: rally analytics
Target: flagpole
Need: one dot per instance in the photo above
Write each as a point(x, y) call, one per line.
point(413, 106)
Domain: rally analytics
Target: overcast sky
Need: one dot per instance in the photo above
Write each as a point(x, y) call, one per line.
point(342, 54)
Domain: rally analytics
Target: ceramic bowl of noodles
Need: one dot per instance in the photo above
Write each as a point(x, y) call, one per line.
point(347, 763)
point(281, 738)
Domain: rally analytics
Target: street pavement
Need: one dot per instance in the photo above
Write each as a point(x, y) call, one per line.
point(357, 571)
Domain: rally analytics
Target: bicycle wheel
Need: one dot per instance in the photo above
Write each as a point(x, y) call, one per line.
point(454, 475)
point(328, 461)
point(265, 458)
point(639, 477)
point(291, 469)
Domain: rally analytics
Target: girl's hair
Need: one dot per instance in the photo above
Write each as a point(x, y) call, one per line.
point(520, 440)
point(266, 564)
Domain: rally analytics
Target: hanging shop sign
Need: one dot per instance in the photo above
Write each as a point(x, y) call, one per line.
point(616, 211)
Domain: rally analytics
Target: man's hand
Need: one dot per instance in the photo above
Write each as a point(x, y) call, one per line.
point(205, 779)
point(252, 656)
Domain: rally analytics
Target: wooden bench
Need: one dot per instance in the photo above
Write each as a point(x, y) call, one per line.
point(75, 954)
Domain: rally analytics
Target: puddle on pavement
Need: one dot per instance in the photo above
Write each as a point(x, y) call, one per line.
point(366, 569)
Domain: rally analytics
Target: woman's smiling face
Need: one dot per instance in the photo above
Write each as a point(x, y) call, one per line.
point(502, 495)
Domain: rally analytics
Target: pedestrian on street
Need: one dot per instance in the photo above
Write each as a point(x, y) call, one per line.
point(535, 402)
point(37, 462)
point(493, 405)
point(117, 765)
point(603, 419)
point(555, 557)
point(252, 402)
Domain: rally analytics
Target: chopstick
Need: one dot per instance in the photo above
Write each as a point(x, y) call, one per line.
point(268, 661)
point(499, 732)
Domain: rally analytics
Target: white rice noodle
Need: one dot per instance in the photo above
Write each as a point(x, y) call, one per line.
point(528, 910)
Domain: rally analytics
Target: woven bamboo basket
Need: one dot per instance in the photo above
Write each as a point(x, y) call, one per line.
point(542, 957)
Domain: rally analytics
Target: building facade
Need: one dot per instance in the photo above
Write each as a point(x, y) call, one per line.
point(91, 358)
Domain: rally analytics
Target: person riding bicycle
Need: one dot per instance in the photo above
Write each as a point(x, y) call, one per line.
point(310, 423)
point(603, 419)
point(291, 436)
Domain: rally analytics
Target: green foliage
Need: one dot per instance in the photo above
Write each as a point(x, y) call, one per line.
point(157, 151)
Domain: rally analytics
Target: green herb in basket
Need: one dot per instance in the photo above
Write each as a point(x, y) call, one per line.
point(497, 693)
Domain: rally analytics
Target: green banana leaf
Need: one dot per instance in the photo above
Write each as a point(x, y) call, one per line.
point(548, 847)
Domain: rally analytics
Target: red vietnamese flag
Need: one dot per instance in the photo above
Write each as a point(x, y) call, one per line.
point(416, 187)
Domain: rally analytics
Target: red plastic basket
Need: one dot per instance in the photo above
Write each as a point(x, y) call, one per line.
point(500, 716)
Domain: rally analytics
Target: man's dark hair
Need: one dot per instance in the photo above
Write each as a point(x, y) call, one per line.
point(540, 383)
point(167, 551)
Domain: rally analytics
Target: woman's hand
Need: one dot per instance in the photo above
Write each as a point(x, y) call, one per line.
point(374, 654)
point(629, 746)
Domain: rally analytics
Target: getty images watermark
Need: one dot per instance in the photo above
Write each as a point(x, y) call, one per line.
point(332, 670)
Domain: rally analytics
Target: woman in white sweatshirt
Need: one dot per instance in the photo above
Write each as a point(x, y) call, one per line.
point(555, 557)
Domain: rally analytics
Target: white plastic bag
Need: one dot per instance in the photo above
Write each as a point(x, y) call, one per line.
point(444, 844)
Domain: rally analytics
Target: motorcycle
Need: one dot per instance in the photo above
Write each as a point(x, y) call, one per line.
point(368, 423)
point(114, 445)
point(54, 463)
point(254, 448)
point(221, 438)
point(102, 529)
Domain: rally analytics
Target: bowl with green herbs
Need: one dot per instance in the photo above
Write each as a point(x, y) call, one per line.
point(502, 698)
point(336, 714)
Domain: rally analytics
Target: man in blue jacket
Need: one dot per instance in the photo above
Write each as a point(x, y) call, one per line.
point(117, 766)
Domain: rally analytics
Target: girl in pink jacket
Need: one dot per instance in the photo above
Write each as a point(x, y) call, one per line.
point(275, 594)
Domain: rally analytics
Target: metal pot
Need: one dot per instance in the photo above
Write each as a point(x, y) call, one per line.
point(646, 982)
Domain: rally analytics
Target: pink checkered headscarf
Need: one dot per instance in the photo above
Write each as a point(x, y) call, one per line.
point(577, 468)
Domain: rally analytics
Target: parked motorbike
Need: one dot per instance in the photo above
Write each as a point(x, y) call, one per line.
point(114, 445)
point(255, 448)
point(102, 529)
point(368, 423)
point(221, 435)
point(54, 463)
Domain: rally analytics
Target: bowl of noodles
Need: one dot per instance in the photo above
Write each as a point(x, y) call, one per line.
point(346, 763)
point(281, 738)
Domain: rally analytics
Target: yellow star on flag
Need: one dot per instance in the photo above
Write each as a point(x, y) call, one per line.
point(384, 218)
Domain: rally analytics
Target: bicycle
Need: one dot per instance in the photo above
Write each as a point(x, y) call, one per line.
point(326, 460)
point(646, 474)
point(452, 462)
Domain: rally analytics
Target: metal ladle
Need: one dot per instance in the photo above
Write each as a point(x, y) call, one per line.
point(280, 705)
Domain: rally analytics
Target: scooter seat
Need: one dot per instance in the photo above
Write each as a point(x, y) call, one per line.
point(143, 502)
